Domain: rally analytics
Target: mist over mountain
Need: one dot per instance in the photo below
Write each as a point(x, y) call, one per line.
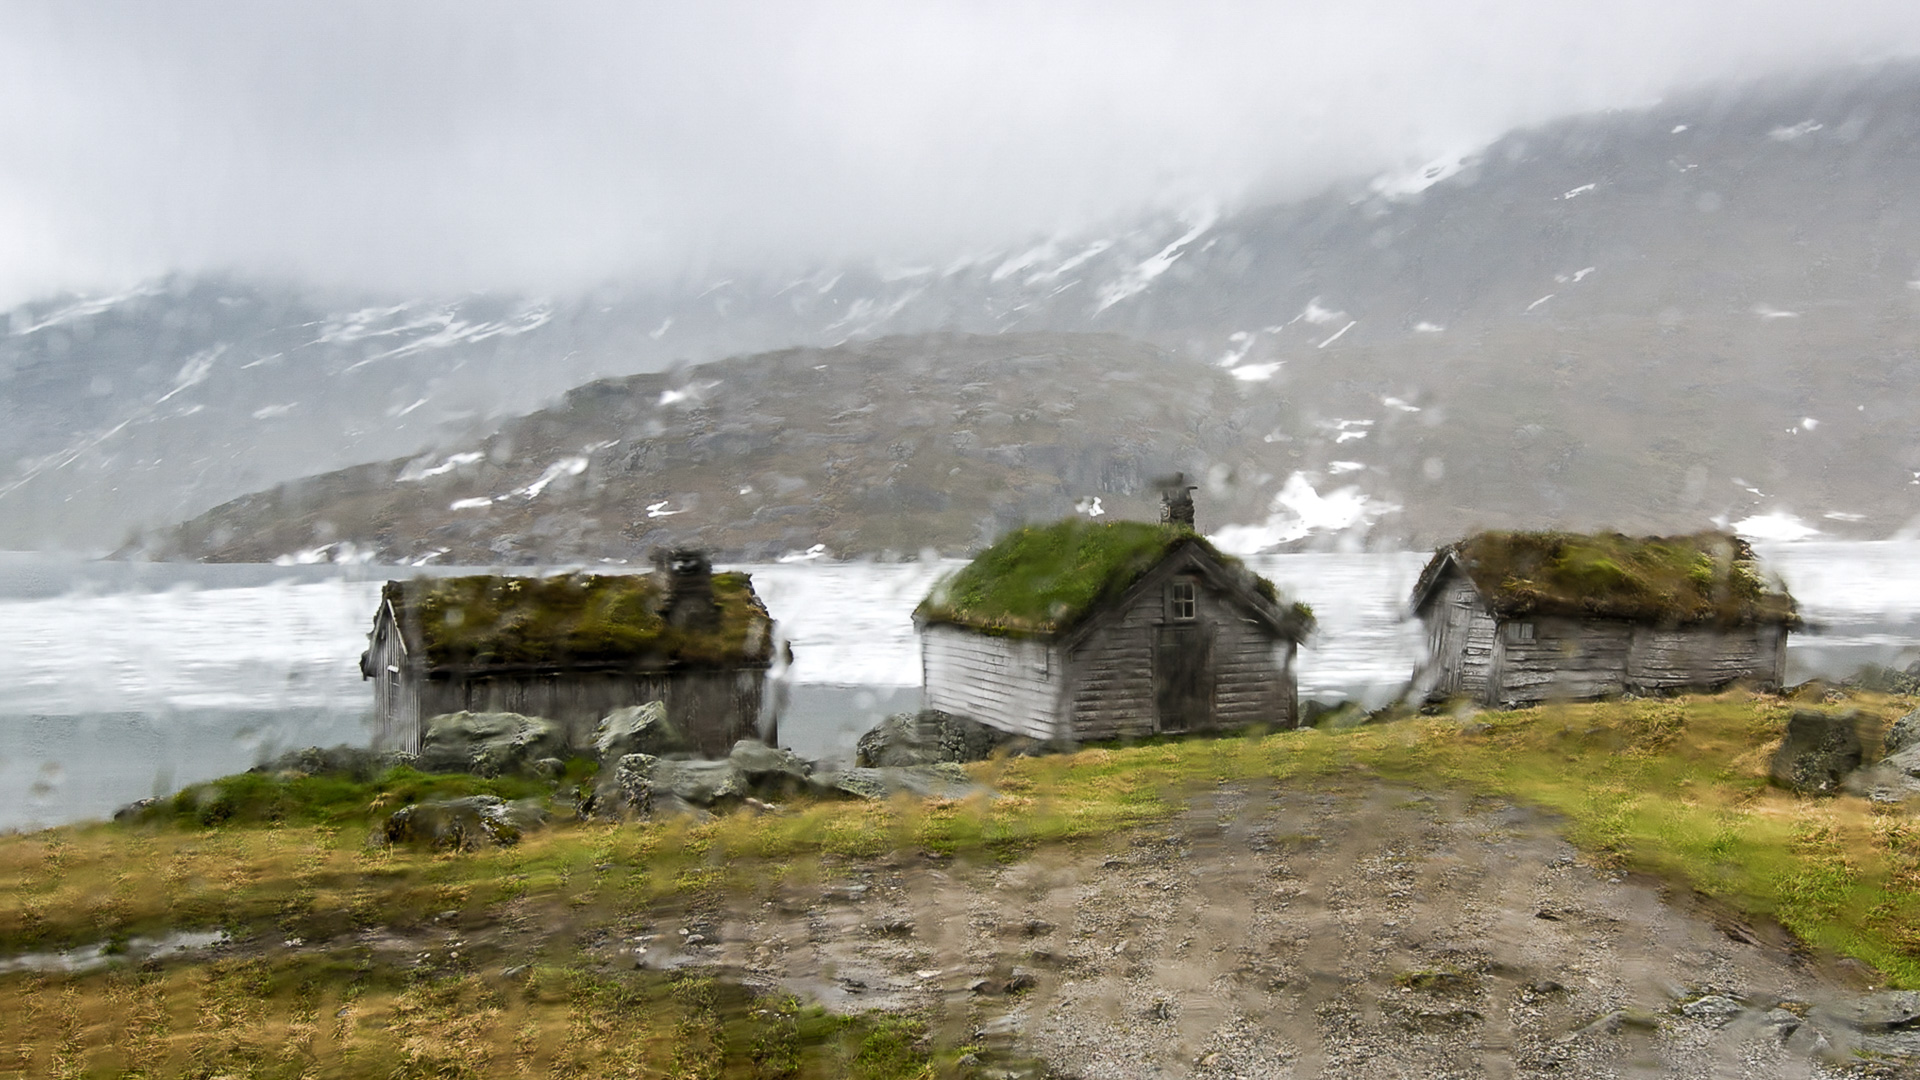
point(1653, 319)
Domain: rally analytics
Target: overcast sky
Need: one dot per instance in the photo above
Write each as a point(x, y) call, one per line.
point(542, 147)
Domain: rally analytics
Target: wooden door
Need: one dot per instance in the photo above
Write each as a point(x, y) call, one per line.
point(1183, 676)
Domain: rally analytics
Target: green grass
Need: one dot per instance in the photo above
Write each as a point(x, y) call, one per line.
point(329, 799)
point(1701, 577)
point(345, 1015)
point(487, 619)
point(1044, 577)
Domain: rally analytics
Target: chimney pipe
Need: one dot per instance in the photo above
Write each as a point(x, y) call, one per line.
point(1176, 500)
point(686, 576)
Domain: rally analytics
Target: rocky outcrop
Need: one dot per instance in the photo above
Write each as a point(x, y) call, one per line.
point(492, 744)
point(941, 780)
point(1903, 734)
point(354, 762)
point(638, 729)
point(1819, 751)
point(463, 824)
point(930, 737)
point(753, 773)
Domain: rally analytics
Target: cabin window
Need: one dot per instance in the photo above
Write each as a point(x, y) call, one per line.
point(1519, 631)
point(1180, 601)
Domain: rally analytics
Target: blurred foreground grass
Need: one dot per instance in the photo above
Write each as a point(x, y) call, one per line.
point(1676, 788)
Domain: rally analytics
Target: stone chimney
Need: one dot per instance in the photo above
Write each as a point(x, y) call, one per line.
point(686, 578)
point(1176, 500)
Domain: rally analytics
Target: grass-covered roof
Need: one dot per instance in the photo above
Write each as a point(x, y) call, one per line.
point(585, 620)
point(1703, 577)
point(1043, 579)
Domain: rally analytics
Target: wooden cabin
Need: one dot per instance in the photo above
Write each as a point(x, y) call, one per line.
point(1078, 631)
point(1515, 618)
point(572, 649)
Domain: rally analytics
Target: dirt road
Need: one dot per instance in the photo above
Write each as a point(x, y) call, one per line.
point(1370, 931)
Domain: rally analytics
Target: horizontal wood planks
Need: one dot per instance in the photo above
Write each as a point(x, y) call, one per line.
point(1013, 684)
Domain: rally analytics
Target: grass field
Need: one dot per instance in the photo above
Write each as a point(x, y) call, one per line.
point(1675, 788)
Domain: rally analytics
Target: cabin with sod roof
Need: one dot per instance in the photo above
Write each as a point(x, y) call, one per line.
point(1078, 631)
point(1514, 618)
point(572, 649)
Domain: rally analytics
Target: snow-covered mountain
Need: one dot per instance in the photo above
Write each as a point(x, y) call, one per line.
point(1702, 310)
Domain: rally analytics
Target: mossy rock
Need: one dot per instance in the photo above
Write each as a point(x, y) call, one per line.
point(490, 744)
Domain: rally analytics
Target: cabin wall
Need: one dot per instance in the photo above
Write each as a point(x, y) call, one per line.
point(1567, 659)
point(715, 708)
point(396, 704)
point(1571, 659)
point(1706, 656)
point(1460, 642)
point(1112, 679)
point(1013, 684)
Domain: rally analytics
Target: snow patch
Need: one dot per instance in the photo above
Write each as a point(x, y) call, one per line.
point(1341, 468)
point(1137, 279)
point(1540, 301)
point(659, 509)
point(1337, 334)
point(1842, 515)
point(1414, 181)
point(20, 324)
point(1424, 327)
point(268, 412)
point(454, 461)
point(1089, 506)
point(1781, 526)
point(1788, 134)
point(1316, 314)
point(1766, 312)
point(1396, 403)
point(570, 466)
point(1581, 190)
point(471, 504)
point(1677, 129)
point(1255, 372)
point(809, 555)
point(660, 331)
point(1299, 511)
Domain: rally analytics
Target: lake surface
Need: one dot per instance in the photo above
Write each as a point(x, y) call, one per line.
point(125, 680)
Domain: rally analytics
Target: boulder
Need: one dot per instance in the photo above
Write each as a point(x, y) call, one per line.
point(463, 824)
point(943, 780)
point(930, 737)
point(1819, 751)
point(356, 762)
point(769, 770)
point(489, 744)
point(638, 729)
point(1893, 779)
point(1904, 733)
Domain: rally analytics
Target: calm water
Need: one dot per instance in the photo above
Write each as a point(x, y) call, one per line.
point(127, 680)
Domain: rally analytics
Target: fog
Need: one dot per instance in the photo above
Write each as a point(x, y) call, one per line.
point(471, 145)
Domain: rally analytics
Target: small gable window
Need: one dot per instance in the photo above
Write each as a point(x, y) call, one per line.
point(1519, 631)
point(1180, 601)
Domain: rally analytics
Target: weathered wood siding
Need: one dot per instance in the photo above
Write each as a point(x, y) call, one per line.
point(1706, 656)
point(1112, 687)
point(396, 701)
point(1013, 684)
point(1460, 642)
point(715, 708)
point(1571, 659)
point(1567, 659)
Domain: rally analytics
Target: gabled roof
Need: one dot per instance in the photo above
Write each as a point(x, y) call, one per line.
point(583, 621)
point(1707, 577)
point(1046, 580)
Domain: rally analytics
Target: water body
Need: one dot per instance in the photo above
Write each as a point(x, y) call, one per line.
point(125, 680)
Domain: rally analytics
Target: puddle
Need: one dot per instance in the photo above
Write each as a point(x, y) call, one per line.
point(132, 950)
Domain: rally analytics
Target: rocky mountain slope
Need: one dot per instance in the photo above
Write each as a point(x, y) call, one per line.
point(1701, 310)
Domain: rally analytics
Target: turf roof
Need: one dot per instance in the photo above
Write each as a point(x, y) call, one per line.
point(585, 620)
point(1698, 578)
point(1044, 578)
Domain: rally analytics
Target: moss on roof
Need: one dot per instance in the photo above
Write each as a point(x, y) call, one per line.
point(1702, 577)
point(573, 620)
point(1043, 578)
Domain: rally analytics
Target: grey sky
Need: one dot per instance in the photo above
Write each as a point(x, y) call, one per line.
point(542, 147)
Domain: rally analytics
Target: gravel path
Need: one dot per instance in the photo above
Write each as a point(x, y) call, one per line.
point(1374, 931)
